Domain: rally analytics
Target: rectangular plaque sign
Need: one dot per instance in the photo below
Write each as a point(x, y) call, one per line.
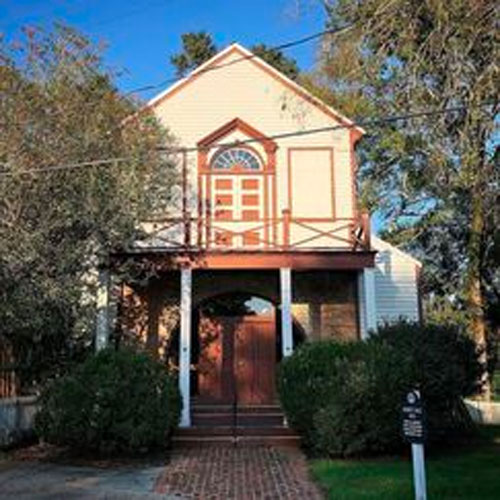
point(413, 418)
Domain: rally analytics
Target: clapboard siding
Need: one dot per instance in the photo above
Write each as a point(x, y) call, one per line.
point(242, 89)
point(396, 287)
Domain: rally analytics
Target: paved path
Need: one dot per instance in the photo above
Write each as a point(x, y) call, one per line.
point(251, 472)
point(44, 481)
point(224, 473)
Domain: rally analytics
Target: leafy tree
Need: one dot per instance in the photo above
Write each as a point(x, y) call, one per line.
point(277, 59)
point(59, 106)
point(196, 49)
point(435, 180)
point(199, 47)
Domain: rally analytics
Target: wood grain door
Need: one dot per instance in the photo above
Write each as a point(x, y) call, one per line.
point(255, 360)
point(216, 360)
point(237, 360)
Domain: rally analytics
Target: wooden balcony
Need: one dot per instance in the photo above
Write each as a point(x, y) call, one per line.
point(284, 234)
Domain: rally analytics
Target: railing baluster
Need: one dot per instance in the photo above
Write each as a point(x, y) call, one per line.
point(365, 224)
point(354, 233)
point(286, 228)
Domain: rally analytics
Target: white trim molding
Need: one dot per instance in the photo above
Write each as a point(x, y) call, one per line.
point(185, 346)
point(102, 310)
point(286, 311)
point(367, 304)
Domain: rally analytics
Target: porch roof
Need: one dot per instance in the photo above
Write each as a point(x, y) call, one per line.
point(162, 259)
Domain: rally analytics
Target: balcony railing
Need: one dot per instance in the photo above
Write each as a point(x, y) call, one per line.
point(285, 233)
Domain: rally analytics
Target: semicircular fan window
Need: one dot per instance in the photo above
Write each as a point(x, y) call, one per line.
point(236, 158)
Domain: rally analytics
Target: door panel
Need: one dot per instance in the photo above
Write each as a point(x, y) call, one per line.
point(237, 360)
point(237, 205)
point(255, 359)
point(215, 364)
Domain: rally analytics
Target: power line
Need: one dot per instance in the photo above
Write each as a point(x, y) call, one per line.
point(44, 15)
point(360, 123)
point(282, 46)
point(144, 8)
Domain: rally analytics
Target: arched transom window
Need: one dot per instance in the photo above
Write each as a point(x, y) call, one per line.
point(236, 158)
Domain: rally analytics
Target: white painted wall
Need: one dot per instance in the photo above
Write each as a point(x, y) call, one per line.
point(396, 288)
point(243, 89)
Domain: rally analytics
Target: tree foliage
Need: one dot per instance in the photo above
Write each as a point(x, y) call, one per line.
point(345, 398)
point(59, 106)
point(277, 59)
point(196, 49)
point(199, 47)
point(434, 180)
point(114, 402)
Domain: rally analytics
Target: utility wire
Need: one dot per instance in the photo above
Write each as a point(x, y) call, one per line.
point(360, 123)
point(282, 46)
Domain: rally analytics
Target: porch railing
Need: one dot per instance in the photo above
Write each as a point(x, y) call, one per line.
point(286, 233)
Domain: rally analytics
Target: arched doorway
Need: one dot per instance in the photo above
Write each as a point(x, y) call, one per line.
point(236, 347)
point(235, 351)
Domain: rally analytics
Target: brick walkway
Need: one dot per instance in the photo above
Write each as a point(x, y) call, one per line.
point(250, 472)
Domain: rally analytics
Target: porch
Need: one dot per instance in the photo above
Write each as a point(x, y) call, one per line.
point(225, 321)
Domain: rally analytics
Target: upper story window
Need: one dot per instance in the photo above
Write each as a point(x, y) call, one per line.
point(236, 158)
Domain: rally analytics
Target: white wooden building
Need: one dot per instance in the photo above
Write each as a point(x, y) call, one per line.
point(268, 247)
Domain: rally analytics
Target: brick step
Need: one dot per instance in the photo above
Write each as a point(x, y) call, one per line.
point(234, 431)
point(241, 419)
point(197, 441)
point(205, 408)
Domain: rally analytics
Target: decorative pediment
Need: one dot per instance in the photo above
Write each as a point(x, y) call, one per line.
point(237, 125)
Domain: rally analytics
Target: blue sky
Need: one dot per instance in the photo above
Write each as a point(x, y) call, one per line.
point(141, 35)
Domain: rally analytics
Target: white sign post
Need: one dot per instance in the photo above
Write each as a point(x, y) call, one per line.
point(417, 453)
point(414, 432)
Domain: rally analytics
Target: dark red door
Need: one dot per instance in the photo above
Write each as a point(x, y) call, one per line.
point(237, 360)
point(255, 359)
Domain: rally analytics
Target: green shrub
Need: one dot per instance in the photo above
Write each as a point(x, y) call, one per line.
point(362, 415)
point(345, 399)
point(116, 401)
point(306, 380)
point(443, 363)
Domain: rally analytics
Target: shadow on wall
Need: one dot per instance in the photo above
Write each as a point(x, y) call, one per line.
point(16, 420)
point(396, 288)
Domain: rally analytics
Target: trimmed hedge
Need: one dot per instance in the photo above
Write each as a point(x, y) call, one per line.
point(345, 399)
point(116, 401)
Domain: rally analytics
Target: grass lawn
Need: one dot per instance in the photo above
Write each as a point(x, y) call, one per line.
point(465, 472)
point(496, 386)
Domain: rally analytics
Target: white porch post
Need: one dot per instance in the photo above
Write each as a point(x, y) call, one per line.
point(367, 305)
point(286, 311)
point(185, 346)
point(102, 304)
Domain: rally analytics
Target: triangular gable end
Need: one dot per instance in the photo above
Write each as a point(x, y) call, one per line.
point(237, 124)
point(380, 244)
point(260, 63)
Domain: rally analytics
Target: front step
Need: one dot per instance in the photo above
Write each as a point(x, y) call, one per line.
point(219, 425)
point(234, 431)
point(240, 419)
point(241, 409)
point(197, 441)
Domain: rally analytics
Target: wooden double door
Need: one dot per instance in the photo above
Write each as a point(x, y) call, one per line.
point(237, 360)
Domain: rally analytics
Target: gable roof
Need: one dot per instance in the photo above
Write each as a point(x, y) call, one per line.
point(379, 244)
point(245, 54)
point(237, 124)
